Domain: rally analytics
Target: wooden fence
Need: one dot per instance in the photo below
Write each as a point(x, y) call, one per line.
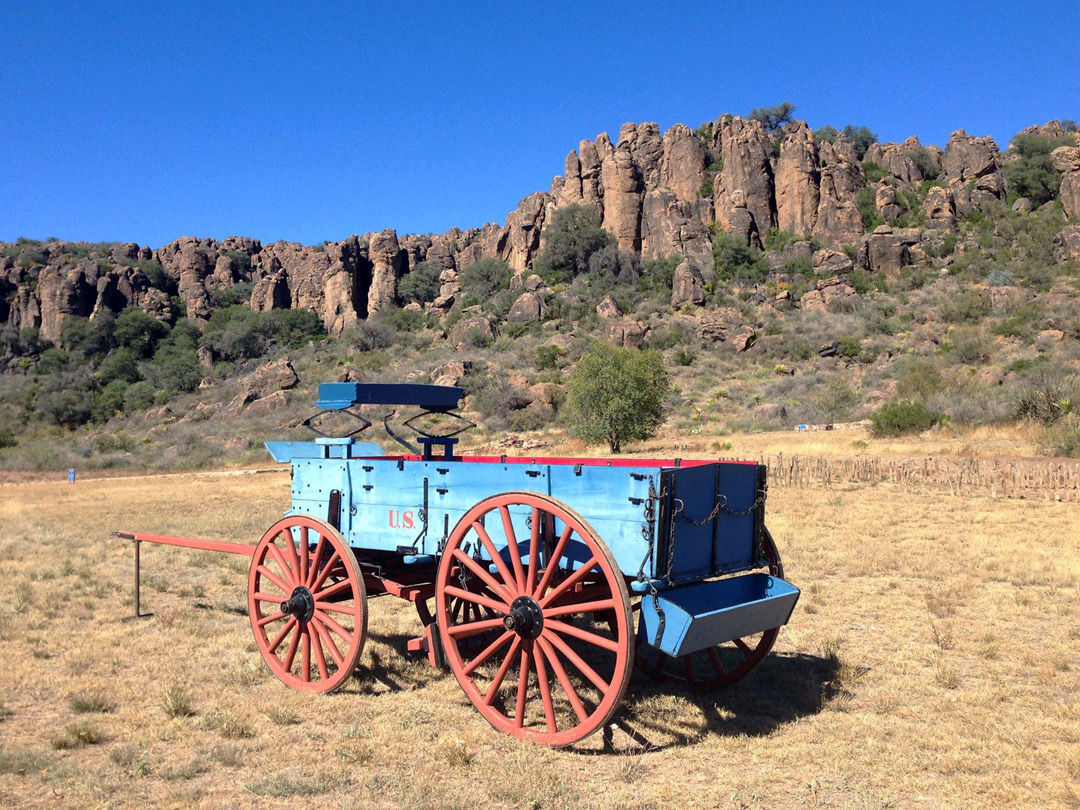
point(1057, 479)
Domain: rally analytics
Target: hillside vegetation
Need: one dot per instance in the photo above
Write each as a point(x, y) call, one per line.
point(783, 276)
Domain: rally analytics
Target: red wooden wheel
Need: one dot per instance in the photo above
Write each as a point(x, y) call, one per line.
point(521, 584)
point(307, 604)
point(717, 666)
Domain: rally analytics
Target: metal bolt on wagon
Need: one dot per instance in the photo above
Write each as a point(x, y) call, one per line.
point(540, 582)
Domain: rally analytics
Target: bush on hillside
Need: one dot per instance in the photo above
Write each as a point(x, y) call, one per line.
point(570, 240)
point(901, 418)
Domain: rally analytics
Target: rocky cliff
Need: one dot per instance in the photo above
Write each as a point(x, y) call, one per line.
point(658, 194)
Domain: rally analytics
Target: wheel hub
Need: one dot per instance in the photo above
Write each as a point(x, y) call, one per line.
point(525, 617)
point(301, 604)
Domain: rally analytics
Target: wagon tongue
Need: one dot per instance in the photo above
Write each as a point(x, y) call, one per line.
point(301, 604)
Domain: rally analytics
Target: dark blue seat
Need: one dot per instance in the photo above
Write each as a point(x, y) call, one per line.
point(436, 398)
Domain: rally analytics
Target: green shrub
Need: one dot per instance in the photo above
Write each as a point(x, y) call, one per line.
point(773, 117)
point(120, 365)
point(616, 394)
point(421, 284)
point(901, 418)
point(547, 356)
point(7, 437)
point(572, 237)
point(861, 137)
point(850, 347)
point(138, 331)
point(1032, 174)
point(735, 260)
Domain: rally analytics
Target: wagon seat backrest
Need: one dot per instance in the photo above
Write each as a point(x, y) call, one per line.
point(430, 399)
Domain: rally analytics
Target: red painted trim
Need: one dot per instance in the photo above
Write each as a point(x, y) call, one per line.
point(587, 462)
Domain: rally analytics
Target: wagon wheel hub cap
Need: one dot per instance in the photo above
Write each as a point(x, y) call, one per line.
point(301, 604)
point(525, 617)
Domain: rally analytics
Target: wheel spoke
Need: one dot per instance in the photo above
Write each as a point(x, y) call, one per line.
point(304, 553)
point(274, 579)
point(742, 646)
point(583, 635)
point(564, 680)
point(327, 642)
point(313, 567)
point(553, 563)
point(575, 659)
point(469, 596)
point(267, 597)
point(523, 687)
point(330, 624)
point(496, 557)
point(335, 607)
point(715, 658)
point(473, 628)
point(545, 689)
point(280, 637)
point(275, 552)
point(579, 607)
point(688, 665)
point(569, 582)
point(487, 578)
point(496, 682)
point(488, 652)
point(291, 546)
point(534, 550)
point(321, 578)
point(305, 656)
point(320, 658)
point(512, 545)
point(333, 590)
point(271, 618)
point(290, 655)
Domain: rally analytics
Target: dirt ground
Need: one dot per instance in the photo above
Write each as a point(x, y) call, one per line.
point(931, 662)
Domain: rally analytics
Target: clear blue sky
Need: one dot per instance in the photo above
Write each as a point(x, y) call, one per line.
point(149, 121)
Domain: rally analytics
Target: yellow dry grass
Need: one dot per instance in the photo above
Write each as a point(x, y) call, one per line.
point(932, 662)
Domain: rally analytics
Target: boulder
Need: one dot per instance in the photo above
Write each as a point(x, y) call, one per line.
point(832, 263)
point(528, 308)
point(717, 324)
point(688, 286)
point(626, 333)
point(883, 252)
point(609, 309)
point(278, 375)
point(264, 405)
point(451, 373)
point(742, 339)
point(770, 412)
point(940, 208)
point(469, 329)
point(1068, 243)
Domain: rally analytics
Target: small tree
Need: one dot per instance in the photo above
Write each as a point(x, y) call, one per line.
point(616, 395)
point(1032, 173)
point(570, 240)
point(773, 117)
point(421, 284)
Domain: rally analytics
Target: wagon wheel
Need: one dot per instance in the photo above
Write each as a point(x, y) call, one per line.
point(535, 574)
point(718, 666)
point(307, 604)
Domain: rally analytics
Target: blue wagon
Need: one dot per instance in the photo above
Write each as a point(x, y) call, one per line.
point(540, 582)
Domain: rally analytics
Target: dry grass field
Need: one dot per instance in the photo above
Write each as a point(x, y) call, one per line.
point(931, 662)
